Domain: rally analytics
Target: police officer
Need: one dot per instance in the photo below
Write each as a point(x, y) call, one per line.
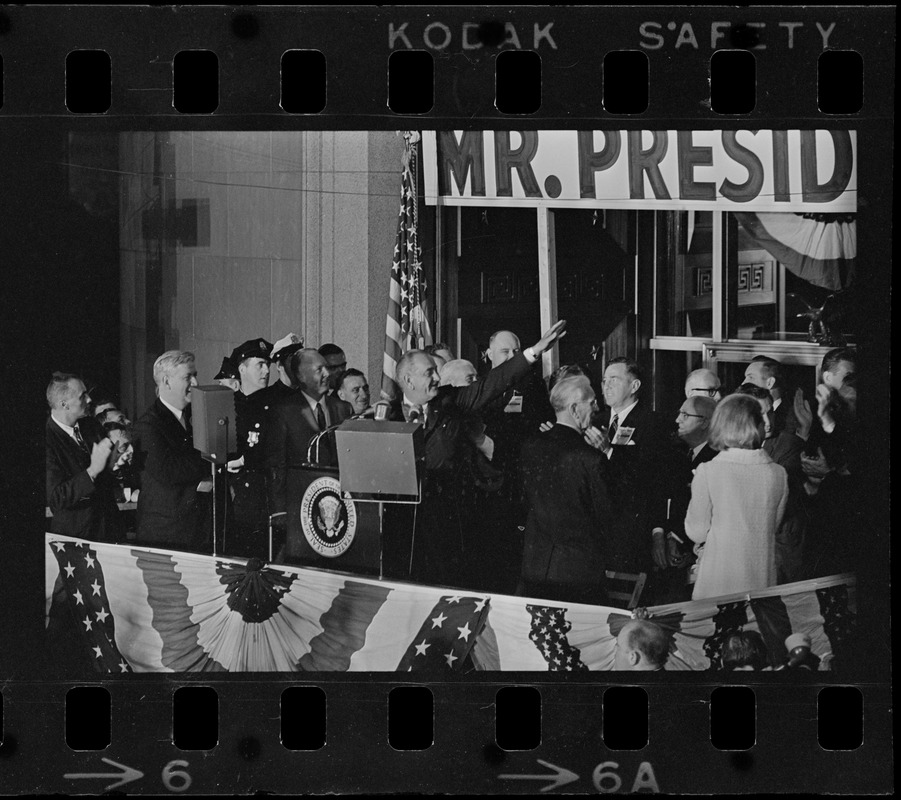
point(249, 520)
point(228, 375)
point(282, 350)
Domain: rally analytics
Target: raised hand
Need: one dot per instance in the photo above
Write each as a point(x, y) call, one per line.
point(551, 336)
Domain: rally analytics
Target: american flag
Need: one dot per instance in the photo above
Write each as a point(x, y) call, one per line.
point(549, 629)
point(407, 326)
point(446, 636)
point(82, 576)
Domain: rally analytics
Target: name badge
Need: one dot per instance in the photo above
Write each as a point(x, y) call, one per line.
point(515, 404)
point(623, 435)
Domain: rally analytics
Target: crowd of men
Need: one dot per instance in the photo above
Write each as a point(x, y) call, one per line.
point(528, 486)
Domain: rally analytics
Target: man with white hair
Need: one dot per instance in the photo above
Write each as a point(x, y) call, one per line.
point(703, 383)
point(458, 372)
point(174, 501)
point(569, 512)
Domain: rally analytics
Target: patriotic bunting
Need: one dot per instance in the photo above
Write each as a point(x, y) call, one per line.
point(143, 610)
point(820, 248)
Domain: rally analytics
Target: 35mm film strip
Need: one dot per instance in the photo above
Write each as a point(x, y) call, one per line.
point(190, 177)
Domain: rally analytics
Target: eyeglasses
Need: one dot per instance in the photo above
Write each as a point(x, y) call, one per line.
point(683, 415)
point(710, 392)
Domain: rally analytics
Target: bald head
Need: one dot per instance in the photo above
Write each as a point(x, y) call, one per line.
point(310, 371)
point(502, 346)
point(642, 645)
point(703, 383)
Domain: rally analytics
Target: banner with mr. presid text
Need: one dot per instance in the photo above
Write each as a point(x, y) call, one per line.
point(801, 171)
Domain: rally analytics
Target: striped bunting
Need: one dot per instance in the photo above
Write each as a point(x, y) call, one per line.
point(536, 635)
point(145, 610)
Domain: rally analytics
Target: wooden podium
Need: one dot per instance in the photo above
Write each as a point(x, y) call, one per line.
point(326, 529)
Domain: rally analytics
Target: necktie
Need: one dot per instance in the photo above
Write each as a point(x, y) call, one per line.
point(79, 439)
point(415, 414)
point(320, 416)
point(611, 431)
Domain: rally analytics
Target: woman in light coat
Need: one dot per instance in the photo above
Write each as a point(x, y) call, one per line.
point(737, 503)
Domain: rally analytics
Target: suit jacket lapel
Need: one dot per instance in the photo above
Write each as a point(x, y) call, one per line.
point(170, 421)
point(67, 443)
point(307, 413)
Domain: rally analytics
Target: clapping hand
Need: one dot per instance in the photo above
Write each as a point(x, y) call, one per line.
point(824, 397)
point(816, 466)
point(100, 456)
point(598, 439)
point(803, 414)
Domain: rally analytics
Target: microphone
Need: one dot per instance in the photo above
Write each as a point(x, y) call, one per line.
point(415, 414)
point(799, 654)
point(379, 412)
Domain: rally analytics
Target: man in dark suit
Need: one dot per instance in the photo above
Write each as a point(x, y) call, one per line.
point(446, 413)
point(672, 549)
point(767, 373)
point(636, 441)
point(295, 421)
point(174, 503)
point(569, 510)
point(80, 485)
point(510, 420)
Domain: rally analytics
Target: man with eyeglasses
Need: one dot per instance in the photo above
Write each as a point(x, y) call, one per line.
point(672, 550)
point(703, 383)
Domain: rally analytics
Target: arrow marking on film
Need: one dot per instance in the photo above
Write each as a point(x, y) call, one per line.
point(126, 776)
point(562, 777)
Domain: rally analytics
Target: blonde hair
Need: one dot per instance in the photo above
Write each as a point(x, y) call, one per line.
point(737, 422)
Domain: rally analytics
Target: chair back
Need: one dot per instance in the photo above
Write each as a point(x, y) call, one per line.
point(626, 587)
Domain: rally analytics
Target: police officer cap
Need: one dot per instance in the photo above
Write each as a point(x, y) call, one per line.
point(287, 346)
point(254, 348)
point(285, 352)
point(227, 370)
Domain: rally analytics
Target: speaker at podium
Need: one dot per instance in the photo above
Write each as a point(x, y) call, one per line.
point(335, 516)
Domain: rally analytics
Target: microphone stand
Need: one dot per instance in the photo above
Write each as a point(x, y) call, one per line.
point(314, 442)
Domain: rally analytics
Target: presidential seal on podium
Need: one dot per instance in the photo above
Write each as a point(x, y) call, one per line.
point(329, 522)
